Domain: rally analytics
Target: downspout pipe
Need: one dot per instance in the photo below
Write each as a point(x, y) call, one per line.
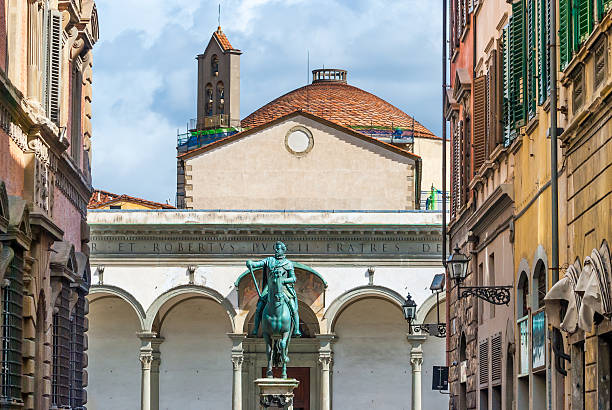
point(444, 210)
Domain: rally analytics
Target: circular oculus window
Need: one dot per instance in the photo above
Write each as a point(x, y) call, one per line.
point(299, 141)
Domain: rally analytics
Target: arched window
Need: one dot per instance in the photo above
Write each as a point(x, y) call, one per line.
point(209, 99)
point(462, 348)
point(539, 285)
point(220, 98)
point(522, 295)
point(214, 65)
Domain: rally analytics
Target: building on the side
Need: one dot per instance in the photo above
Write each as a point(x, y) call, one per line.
point(171, 285)
point(581, 302)
point(481, 339)
point(542, 367)
point(45, 184)
point(107, 200)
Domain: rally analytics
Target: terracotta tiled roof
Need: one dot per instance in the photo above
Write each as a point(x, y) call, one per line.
point(223, 41)
point(101, 198)
point(364, 137)
point(340, 103)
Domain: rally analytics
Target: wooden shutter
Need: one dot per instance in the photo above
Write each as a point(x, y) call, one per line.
point(531, 58)
point(543, 50)
point(53, 65)
point(493, 92)
point(483, 362)
point(456, 161)
point(480, 122)
point(603, 6)
point(585, 19)
point(496, 358)
point(565, 39)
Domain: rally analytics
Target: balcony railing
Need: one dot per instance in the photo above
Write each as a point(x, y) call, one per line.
point(212, 121)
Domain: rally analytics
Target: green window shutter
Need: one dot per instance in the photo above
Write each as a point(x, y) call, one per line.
point(518, 67)
point(506, 119)
point(531, 59)
point(544, 50)
point(584, 20)
point(565, 39)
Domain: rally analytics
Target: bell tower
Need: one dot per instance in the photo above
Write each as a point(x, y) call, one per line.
point(218, 84)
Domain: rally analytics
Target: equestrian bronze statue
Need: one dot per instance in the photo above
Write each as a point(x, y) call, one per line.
point(277, 307)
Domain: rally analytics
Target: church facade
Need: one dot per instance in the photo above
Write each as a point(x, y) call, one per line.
point(170, 286)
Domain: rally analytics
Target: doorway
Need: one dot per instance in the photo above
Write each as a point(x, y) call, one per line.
point(301, 398)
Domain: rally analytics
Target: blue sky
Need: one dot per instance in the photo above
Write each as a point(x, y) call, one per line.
point(145, 70)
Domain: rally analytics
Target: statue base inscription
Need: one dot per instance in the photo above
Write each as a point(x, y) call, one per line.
point(276, 393)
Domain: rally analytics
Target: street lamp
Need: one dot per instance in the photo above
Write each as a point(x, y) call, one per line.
point(409, 308)
point(457, 264)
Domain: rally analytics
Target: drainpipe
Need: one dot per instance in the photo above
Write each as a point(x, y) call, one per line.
point(554, 184)
point(444, 25)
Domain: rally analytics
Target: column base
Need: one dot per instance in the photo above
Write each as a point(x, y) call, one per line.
point(276, 393)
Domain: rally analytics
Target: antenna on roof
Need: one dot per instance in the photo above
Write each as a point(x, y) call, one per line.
point(219, 18)
point(307, 67)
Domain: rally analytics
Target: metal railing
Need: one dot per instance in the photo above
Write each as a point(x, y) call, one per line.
point(212, 121)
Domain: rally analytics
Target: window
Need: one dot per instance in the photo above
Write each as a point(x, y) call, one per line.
point(491, 282)
point(214, 65)
point(600, 63)
point(12, 312)
point(76, 140)
point(209, 99)
point(583, 19)
point(53, 65)
point(77, 339)
point(543, 50)
point(578, 86)
point(480, 122)
point(522, 295)
point(115, 207)
point(532, 72)
point(61, 349)
point(539, 285)
point(220, 98)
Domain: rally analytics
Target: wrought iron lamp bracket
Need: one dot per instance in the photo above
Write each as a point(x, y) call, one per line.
point(433, 329)
point(497, 295)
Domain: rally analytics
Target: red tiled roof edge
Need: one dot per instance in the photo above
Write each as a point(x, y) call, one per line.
point(93, 204)
point(277, 120)
point(222, 40)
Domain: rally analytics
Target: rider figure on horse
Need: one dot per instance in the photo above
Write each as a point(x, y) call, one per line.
point(284, 266)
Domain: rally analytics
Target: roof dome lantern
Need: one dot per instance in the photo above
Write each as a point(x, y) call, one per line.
point(328, 75)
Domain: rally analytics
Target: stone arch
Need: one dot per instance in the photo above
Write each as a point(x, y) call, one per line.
point(98, 292)
point(181, 293)
point(362, 292)
point(428, 305)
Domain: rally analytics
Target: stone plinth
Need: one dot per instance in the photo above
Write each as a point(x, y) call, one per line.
point(276, 393)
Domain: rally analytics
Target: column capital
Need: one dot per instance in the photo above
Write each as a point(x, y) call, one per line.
point(237, 361)
point(146, 359)
point(237, 339)
point(325, 358)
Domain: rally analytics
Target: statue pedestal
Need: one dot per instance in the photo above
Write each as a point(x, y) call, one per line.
point(276, 393)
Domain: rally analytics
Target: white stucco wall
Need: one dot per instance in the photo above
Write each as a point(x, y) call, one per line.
point(340, 172)
point(371, 368)
point(114, 367)
point(196, 370)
